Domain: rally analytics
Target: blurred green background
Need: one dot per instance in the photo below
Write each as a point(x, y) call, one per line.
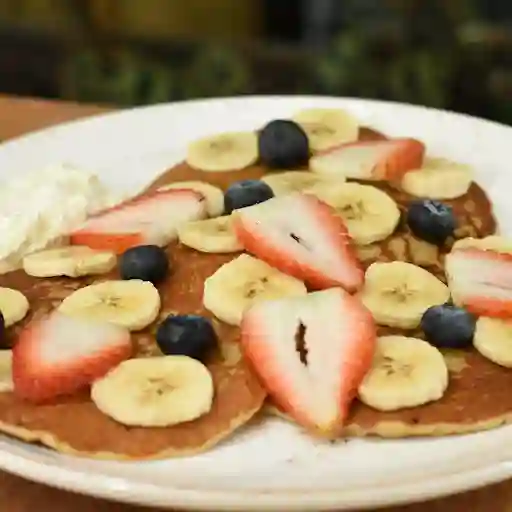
point(454, 54)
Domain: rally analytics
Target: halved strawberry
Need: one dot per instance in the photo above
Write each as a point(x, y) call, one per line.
point(371, 160)
point(303, 237)
point(311, 353)
point(59, 355)
point(148, 219)
point(481, 281)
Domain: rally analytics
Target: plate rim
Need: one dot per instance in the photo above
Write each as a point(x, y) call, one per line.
point(123, 490)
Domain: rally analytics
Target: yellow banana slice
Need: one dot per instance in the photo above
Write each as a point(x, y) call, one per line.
point(13, 305)
point(228, 151)
point(327, 127)
point(493, 339)
point(496, 243)
point(406, 372)
point(398, 293)
point(439, 178)
point(242, 282)
point(283, 183)
point(212, 235)
point(155, 391)
point(369, 213)
point(213, 195)
point(6, 383)
point(132, 304)
point(72, 261)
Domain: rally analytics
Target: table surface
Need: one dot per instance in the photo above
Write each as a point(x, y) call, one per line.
point(18, 116)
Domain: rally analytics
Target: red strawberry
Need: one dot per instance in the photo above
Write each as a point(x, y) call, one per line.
point(311, 353)
point(371, 160)
point(481, 281)
point(59, 355)
point(303, 237)
point(149, 219)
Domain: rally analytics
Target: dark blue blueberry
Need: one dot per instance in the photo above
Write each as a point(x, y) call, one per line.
point(431, 221)
point(246, 193)
point(448, 326)
point(283, 144)
point(186, 335)
point(146, 262)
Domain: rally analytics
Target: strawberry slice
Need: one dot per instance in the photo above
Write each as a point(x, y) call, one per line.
point(59, 355)
point(149, 219)
point(481, 281)
point(303, 237)
point(371, 160)
point(311, 353)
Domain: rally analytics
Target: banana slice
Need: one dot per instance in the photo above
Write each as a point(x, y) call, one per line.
point(406, 372)
point(496, 243)
point(493, 339)
point(327, 127)
point(133, 304)
point(369, 213)
point(398, 293)
point(210, 235)
point(243, 281)
point(72, 261)
point(224, 152)
point(283, 183)
point(439, 178)
point(6, 383)
point(213, 195)
point(13, 306)
point(155, 391)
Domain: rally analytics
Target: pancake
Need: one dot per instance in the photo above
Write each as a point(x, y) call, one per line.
point(74, 425)
point(477, 397)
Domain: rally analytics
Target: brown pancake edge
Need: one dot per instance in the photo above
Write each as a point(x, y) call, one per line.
point(476, 399)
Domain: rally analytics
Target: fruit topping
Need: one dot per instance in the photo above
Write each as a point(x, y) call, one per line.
point(132, 304)
point(213, 196)
point(238, 284)
point(186, 335)
point(398, 293)
point(13, 305)
point(438, 178)
point(493, 339)
point(149, 219)
point(369, 213)
point(283, 144)
point(246, 193)
point(223, 152)
point(210, 235)
point(370, 160)
point(327, 127)
point(406, 372)
point(303, 237)
point(447, 326)
point(431, 221)
point(6, 383)
point(155, 391)
point(72, 261)
point(311, 353)
point(59, 355)
point(480, 279)
point(144, 262)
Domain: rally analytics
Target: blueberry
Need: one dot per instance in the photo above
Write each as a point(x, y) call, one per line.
point(448, 326)
point(431, 221)
point(246, 193)
point(186, 335)
point(146, 262)
point(283, 144)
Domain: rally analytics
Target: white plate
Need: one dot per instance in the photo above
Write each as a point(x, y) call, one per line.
point(274, 466)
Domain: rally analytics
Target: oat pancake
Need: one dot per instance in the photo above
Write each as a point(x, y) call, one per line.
point(75, 425)
point(477, 397)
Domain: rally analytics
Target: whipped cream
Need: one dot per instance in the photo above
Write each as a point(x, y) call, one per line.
point(38, 210)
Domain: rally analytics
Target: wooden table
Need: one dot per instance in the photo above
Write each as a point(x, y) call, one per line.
point(18, 116)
